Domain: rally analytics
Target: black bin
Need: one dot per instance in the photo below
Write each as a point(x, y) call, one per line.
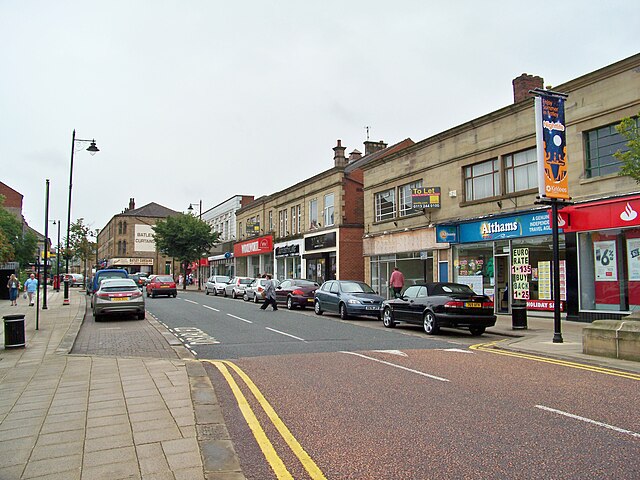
point(519, 315)
point(14, 331)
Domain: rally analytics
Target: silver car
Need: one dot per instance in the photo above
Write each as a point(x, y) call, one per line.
point(117, 297)
point(254, 291)
point(216, 284)
point(237, 286)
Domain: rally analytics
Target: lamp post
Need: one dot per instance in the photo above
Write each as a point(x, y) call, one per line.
point(46, 247)
point(57, 284)
point(190, 209)
point(92, 149)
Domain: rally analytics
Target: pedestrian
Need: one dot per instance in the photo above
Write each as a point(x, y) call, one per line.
point(396, 281)
point(269, 294)
point(30, 286)
point(14, 286)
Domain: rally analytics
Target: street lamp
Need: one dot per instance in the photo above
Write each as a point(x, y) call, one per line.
point(92, 149)
point(190, 209)
point(57, 284)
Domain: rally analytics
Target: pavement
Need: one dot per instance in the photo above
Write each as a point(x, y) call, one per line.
point(116, 410)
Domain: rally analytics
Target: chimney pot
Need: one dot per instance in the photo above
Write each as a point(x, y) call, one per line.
point(522, 85)
point(338, 157)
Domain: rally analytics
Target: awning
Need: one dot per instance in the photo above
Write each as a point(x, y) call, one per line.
point(621, 212)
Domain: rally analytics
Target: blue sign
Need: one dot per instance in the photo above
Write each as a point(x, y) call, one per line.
point(525, 225)
point(446, 234)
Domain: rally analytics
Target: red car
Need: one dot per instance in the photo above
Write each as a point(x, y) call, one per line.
point(162, 285)
point(296, 292)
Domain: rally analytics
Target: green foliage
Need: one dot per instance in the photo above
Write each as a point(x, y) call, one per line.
point(184, 237)
point(15, 245)
point(80, 246)
point(630, 159)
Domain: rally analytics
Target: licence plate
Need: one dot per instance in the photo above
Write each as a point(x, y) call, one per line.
point(164, 286)
point(310, 300)
point(472, 304)
point(120, 299)
point(373, 308)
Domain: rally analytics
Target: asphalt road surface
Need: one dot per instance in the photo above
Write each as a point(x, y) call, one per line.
point(316, 397)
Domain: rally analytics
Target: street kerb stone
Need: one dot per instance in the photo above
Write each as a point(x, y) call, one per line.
point(219, 456)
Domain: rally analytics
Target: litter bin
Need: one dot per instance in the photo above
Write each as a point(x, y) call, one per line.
point(14, 331)
point(519, 315)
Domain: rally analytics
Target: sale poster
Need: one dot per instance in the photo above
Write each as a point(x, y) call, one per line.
point(604, 256)
point(544, 280)
point(520, 271)
point(633, 258)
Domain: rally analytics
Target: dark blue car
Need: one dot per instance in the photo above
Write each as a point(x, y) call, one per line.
point(348, 298)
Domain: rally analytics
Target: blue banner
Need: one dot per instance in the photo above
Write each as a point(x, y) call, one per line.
point(524, 225)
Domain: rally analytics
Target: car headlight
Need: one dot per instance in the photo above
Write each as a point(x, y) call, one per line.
point(353, 301)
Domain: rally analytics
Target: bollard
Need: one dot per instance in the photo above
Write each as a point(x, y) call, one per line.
point(519, 315)
point(14, 331)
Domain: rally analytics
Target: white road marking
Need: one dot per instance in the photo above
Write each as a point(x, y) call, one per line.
point(211, 308)
point(244, 320)
point(459, 350)
point(287, 334)
point(397, 366)
point(588, 420)
point(393, 352)
point(191, 301)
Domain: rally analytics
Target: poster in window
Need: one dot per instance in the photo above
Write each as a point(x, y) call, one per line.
point(633, 259)
point(544, 280)
point(604, 256)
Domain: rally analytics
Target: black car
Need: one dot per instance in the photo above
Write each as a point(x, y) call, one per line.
point(435, 305)
point(296, 292)
point(347, 297)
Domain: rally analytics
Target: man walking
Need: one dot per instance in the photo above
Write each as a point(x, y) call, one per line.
point(396, 281)
point(30, 286)
point(269, 295)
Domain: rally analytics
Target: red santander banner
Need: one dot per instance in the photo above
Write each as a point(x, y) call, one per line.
point(614, 213)
point(256, 246)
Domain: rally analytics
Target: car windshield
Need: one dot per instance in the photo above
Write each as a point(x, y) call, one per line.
point(221, 279)
point(106, 275)
point(449, 288)
point(303, 283)
point(164, 278)
point(356, 287)
point(245, 281)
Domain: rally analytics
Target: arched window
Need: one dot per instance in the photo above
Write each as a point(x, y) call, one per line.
point(120, 228)
point(124, 228)
point(119, 247)
point(124, 247)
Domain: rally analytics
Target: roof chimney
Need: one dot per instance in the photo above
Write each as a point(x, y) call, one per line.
point(370, 147)
point(522, 85)
point(338, 157)
point(132, 204)
point(355, 155)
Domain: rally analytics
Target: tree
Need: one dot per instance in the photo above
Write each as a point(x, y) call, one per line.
point(630, 159)
point(80, 246)
point(184, 237)
point(16, 244)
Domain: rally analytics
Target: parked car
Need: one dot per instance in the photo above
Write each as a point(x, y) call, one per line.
point(435, 305)
point(116, 297)
point(102, 275)
point(254, 290)
point(162, 285)
point(75, 279)
point(296, 292)
point(348, 298)
point(140, 279)
point(237, 286)
point(216, 284)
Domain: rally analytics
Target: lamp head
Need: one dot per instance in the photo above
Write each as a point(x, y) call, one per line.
point(92, 149)
point(190, 208)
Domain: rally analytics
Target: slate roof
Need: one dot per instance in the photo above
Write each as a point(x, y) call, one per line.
point(150, 210)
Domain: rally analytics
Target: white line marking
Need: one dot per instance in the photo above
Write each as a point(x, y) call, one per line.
point(398, 366)
point(287, 334)
point(233, 316)
point(459, 350)
point(588, 420)
point(211, 308)
point(393, 352)
point(191, 301)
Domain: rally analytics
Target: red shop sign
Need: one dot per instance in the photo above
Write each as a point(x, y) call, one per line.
point(614, 213)
point(256, 246)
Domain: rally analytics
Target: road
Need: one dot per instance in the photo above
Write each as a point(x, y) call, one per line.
point(352, 400)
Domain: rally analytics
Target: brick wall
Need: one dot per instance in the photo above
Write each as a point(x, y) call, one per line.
point(350, 259)
point(353, 199)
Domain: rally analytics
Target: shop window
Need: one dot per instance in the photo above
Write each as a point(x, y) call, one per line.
point(328, 210)
point(521, 171)
point(385, 205)
point(600, 145)
point(405, 202)
point(313, 214)
point(482, 180)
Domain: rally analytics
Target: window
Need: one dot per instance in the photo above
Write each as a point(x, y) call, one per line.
point(328, 209)
point(600, 145)
point(293, 220)
point(313, 214)
point(119, 247)
point(405, 202)
point(270, 220)
point(482, 180)
point(124, 246)
point(521, 171)
point(385, 205)
point(119, 228)
point(124, 228)
point(283, 231)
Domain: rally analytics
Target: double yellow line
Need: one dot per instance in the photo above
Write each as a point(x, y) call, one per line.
point(264, 443)
point(493, 347)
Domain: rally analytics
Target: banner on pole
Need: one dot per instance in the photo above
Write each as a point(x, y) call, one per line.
point(551, 143)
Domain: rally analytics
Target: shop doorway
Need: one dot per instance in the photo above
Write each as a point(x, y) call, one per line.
point(502, 296)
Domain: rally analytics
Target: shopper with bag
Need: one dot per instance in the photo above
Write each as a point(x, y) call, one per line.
point(269, 294)
point(31, 286)
point(14, 286)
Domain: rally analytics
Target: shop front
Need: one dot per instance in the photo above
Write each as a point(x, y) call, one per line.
point(254, 258)
point(320, 255)
point(288, 259)
point(607, 237)
point(132, 264)
point(508, 259)
point(222, 264)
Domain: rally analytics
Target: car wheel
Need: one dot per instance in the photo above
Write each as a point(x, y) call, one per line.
point(245, 297)
point(344, 315)
point(430, 325)
point(387, 318)
point(153, 294)
point(206, 292)
point(224, 292)
point(255, 298)
point(289, 303)
point(476, 331)
point(233, 295)
point(175, 295)
point(316, 308)
point(141, 316)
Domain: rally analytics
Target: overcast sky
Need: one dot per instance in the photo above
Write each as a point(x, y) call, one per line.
point(202, 100)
